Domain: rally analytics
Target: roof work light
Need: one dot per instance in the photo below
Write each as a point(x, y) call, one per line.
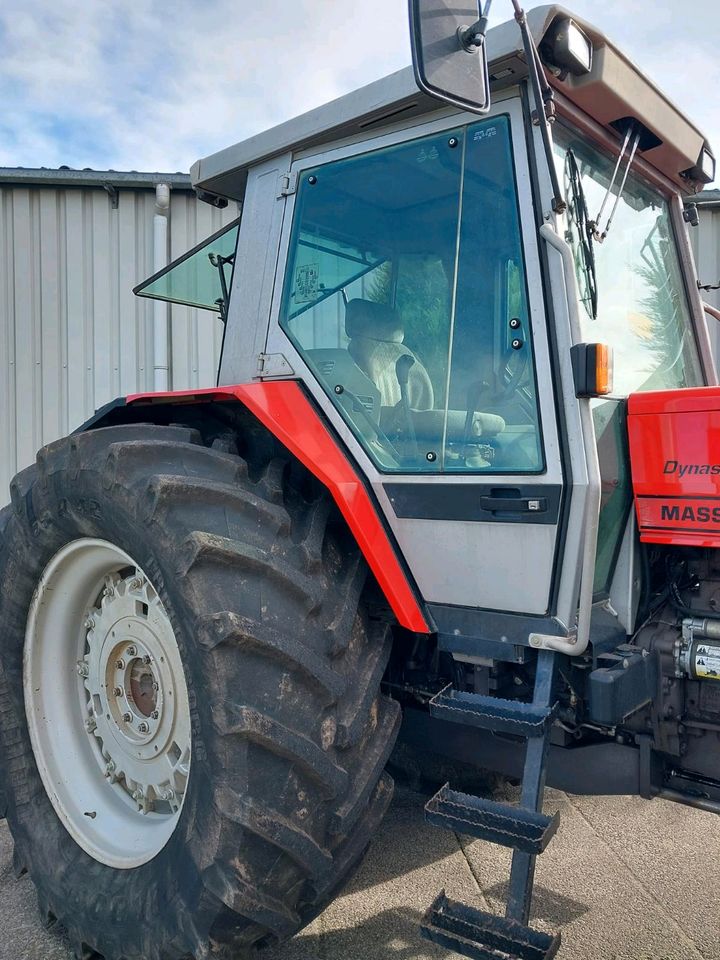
point(704, 169)
point(566, 46)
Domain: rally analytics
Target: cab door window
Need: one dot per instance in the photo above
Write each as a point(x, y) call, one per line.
point(405, 293)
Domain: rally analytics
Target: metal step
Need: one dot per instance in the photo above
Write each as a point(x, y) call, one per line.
point(500, 823)
point(492, 713)
point(484, 936)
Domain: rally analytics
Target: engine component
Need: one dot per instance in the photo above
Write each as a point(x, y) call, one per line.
point(697, 653)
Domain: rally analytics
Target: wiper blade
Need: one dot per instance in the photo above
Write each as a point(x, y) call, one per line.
point(578, 211)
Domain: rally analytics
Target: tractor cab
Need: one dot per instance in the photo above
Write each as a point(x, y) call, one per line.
point(426, 268)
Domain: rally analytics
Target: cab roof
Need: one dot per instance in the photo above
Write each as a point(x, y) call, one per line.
point(615, 89)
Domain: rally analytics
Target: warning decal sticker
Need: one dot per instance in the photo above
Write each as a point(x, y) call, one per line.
point(707, 662)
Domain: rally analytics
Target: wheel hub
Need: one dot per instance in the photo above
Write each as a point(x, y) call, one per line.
point(110, 727)
point(128, 675)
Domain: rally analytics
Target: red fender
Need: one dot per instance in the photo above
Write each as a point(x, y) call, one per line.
point(283, 407)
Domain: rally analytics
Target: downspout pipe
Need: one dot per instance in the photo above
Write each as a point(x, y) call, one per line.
point(161, 346)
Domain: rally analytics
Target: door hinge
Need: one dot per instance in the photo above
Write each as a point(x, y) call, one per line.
point(287, 184)
point(273, 365)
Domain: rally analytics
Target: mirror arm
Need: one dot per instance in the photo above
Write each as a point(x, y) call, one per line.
point(544, 103)
point(474, 36)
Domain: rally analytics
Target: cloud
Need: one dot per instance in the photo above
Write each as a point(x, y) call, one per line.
point(114, 84)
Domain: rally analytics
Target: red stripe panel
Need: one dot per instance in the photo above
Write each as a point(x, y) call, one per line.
point(284, 409)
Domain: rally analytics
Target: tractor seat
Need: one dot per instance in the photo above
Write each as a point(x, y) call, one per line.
point(376, 344)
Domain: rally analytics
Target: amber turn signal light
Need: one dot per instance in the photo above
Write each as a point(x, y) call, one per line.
point(592, 365)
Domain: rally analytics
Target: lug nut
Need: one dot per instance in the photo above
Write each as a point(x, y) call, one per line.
point(168, 795)
point(90, 724)
point(131, 651)
point(89, 623)
point(82, 669)
point(117, 691)
point(143, 727)
point(155, 686)
point(120, 664)
point(155, 714)
point(109, 768)
point(138, 795)
point(147, 660)
point(127, 717)
point(135, 583)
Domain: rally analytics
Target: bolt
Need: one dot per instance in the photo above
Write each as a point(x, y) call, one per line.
point(127, 717)
point(109, 592)
point(155, 714)
point(138, 795)
point(135, 583)
point(452, 142)
point(168, 795)
point(89, 623)
point(143, 727)
point(90, 725)
point(109, 768)
point(155, 686)
point(117, 691)
point(120, 664)
point(82, 669)
point(132, 651)
point(147, 660)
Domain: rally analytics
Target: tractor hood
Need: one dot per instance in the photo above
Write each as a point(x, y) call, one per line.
point(614, 89)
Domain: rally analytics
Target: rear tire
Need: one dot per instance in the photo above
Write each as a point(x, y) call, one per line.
point(263, 586)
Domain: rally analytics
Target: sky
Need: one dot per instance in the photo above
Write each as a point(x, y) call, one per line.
point(115, 84)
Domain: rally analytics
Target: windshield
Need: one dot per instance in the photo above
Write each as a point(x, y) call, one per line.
point(405, 293)
point(631, 284)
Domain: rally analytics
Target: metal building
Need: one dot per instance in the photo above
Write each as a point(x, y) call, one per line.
point(73, 336)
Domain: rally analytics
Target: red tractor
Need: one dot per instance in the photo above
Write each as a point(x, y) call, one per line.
point(461, 467)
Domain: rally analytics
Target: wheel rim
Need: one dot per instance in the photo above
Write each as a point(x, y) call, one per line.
point(107, 703)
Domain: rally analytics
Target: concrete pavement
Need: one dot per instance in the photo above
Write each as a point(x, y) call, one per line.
point(624, 879)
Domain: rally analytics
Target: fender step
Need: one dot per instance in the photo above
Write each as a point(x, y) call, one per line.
point(500, 823)
point(484, 936)
point(492, 713)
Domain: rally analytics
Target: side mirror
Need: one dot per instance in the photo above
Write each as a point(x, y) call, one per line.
point(449, 52)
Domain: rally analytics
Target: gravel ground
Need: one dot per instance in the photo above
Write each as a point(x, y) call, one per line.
point(624, 879)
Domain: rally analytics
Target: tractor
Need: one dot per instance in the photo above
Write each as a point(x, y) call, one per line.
point(457, 480)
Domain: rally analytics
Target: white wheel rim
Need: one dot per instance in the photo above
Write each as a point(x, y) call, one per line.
point(107, 703)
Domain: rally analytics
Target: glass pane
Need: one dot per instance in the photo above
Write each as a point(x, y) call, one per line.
point(642, 310)
point(194, 279)
point(405, 292)
point(492, 363)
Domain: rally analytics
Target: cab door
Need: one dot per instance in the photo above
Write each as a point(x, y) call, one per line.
point(422, 245)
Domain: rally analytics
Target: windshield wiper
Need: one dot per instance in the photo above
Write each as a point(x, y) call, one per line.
point(586, 233)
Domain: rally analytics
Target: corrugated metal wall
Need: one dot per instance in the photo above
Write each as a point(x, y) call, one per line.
point(72, 335)
point(706, 247)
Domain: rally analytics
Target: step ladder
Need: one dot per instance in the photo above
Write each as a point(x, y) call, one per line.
point(525, 828)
